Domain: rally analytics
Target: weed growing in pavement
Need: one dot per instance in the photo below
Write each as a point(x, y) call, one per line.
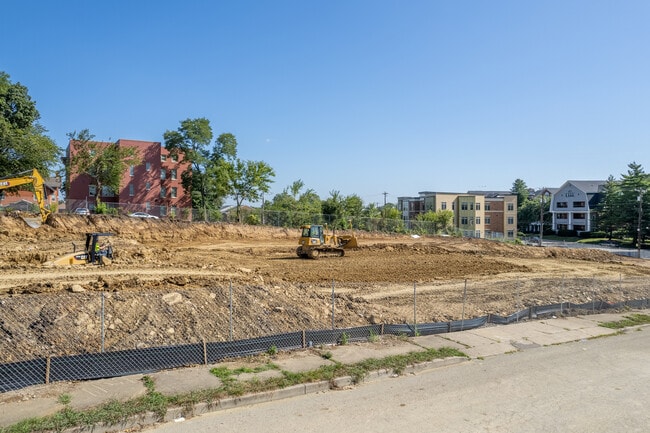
point(116, 412)
point(373, 337)
point(631, 320)
point(273, 350)
point(64, 399)
point(345, 339)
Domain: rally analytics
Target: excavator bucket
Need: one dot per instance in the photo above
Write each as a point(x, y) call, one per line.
point(33, 222)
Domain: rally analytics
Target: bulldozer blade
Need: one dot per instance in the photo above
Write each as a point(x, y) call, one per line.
point(348, 241)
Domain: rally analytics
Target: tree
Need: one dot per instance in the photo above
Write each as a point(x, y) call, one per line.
point(23, 143)
point(609, 216)
point(441, 220)
point(521, 190)
point(634, 188)
point(292, 207)
point(192, 139)
point(247, 180)
point(104, 163)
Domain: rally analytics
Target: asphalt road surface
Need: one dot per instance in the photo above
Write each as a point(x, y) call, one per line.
point(600, 385)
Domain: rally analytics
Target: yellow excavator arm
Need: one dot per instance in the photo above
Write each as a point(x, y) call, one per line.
point(38, 183)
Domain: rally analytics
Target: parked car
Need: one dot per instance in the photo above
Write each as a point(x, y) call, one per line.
point(142, 215)
point(82, 211)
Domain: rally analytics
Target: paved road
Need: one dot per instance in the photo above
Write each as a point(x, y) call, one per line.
point(600, 385)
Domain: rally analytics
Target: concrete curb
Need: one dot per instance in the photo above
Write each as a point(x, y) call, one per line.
point(179, 414)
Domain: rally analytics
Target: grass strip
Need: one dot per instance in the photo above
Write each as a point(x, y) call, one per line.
point(631, 320)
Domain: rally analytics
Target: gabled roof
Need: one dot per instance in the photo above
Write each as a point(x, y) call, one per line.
point(587, 186)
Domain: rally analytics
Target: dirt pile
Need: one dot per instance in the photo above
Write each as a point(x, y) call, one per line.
point(171, 283)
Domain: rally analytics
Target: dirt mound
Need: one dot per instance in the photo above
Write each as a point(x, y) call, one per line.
point(170, 282)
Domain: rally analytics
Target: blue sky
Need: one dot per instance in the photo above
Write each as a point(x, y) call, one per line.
point(361, 97)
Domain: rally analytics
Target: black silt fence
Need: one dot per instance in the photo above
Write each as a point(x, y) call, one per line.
point(18, 375)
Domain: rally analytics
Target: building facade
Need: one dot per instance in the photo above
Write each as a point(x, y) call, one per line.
point(573, 205)
point(476, 214)
point(153, 186)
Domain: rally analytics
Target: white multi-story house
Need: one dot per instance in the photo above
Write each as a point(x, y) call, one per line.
point(573, 204)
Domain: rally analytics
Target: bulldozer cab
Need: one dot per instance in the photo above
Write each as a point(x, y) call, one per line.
point(96, 249)
point(313, 232)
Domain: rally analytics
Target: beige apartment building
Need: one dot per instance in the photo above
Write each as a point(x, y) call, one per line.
point(479, 214)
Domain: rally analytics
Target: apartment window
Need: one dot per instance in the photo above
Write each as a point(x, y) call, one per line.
point(147, 206)
point(580, 228)
point(478, 220)
point(453, 205)
point(172, 173)
point(147, 186)
point(107, 191)
point(131, 190)
point(511, 220)
point(578, 204)
point(463, 205)
point(511, 234)
point(147, 166)
point(471, 206)
point(579, 216)
point(92, 190)
point(172, 211)
point(175, 158)
point(163, 210)
point(463, 221)
point(511, 206)
point(163, 191)
point(478, 206)
point(488, 220)
point(131, 171)
point(163, 174)
point(487, 206)
point(163, 158)
point(562, 216)
point(477, 234)
point(561, 204)
point(569, 193)
point(173, 191)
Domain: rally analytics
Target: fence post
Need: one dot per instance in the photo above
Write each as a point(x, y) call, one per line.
point(332, 304)
point(462, 315)
point(102, 324)
point(415, 319)
point(205, 352)
point(230, 309)
point(47, 370)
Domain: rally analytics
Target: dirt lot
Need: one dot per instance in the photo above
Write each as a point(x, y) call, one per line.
point(170, 283)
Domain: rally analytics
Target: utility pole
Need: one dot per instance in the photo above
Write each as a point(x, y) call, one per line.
point(638, 225)
point(383, 211)
point(541, 217)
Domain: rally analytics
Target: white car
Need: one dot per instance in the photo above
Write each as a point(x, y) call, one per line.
point(142, 215)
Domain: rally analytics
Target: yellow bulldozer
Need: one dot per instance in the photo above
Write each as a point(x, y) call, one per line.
point(314, 243)
point(95, 252)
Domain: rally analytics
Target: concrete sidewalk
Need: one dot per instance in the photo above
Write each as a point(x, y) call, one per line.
point(42, 400)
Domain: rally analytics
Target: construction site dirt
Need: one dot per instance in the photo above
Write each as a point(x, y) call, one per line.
point(179, 282)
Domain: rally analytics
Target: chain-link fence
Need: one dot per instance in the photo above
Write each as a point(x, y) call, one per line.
point(89, 335)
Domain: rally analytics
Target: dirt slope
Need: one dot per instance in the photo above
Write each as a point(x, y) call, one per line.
point(171, 282)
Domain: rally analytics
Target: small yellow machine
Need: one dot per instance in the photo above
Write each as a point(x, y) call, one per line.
point(95, 252)
point(314, 243)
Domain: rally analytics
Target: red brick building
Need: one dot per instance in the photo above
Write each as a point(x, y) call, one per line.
point(153, 186)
